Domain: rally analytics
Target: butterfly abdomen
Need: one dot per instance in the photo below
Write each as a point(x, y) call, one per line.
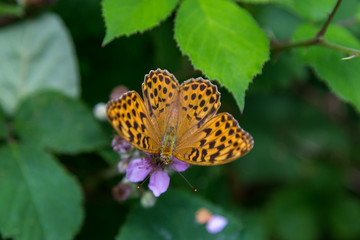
point(168, 146)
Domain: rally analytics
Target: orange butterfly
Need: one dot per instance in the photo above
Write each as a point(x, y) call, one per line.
point(179, 121)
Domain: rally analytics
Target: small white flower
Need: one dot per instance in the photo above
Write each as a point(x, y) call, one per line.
point(99, 111)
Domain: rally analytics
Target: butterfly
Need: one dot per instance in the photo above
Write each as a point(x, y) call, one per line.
point(179, 121)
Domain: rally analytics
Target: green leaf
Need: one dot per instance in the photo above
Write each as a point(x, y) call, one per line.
point(125, 17)
point(222, 40)
point(173, 217)
point(39, 199)
point(58, 122)
point(342, 76)
point(36, 54)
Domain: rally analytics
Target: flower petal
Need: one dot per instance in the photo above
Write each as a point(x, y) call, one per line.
point(159, 182)
point(216, 224)
point(137, 170)
point(178, 165)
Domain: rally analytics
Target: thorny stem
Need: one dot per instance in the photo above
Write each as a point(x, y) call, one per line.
point(318, 39)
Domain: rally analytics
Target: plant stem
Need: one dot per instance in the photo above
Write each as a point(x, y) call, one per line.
point(322, 31)
point(284, 46)
point(349, 51)
point(318, 39)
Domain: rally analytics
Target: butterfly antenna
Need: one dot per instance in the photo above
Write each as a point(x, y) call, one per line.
point(195, 190)
point(143, 181)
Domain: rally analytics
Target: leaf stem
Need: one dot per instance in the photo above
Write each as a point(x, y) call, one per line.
point(318, 39)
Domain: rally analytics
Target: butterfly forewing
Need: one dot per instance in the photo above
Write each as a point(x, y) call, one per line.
point(218, 141)
point(199, 101)
point(160, 91)
point(131, 120)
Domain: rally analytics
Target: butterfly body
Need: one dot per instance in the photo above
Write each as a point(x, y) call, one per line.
point(179, 121)
point(168, 147)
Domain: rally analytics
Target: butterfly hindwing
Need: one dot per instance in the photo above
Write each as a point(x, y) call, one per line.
point(130, 119)
point(220, 140)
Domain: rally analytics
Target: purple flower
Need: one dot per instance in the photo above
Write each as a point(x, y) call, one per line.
point(138, 169)
point(216, 224)
point(120, 145)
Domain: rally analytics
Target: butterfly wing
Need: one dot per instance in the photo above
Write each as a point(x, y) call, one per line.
point(199, 100)
point(160, 91)
point(131, 120)
point(220, 140)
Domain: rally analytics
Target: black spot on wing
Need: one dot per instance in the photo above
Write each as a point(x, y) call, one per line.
point(202, 142)
point(207, 131)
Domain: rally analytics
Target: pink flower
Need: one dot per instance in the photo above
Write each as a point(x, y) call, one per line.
point(216, 224)
point(138, 169)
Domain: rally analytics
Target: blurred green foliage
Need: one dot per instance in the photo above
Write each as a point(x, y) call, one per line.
point(31, 53)
point(57, 170)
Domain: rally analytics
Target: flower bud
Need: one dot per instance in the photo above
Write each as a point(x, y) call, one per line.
point(99, 111)
point(118, 91)
point(121, 192)
point(120, 145)
point(148, 199)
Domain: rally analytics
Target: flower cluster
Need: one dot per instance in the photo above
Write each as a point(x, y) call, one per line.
point(139, 169)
